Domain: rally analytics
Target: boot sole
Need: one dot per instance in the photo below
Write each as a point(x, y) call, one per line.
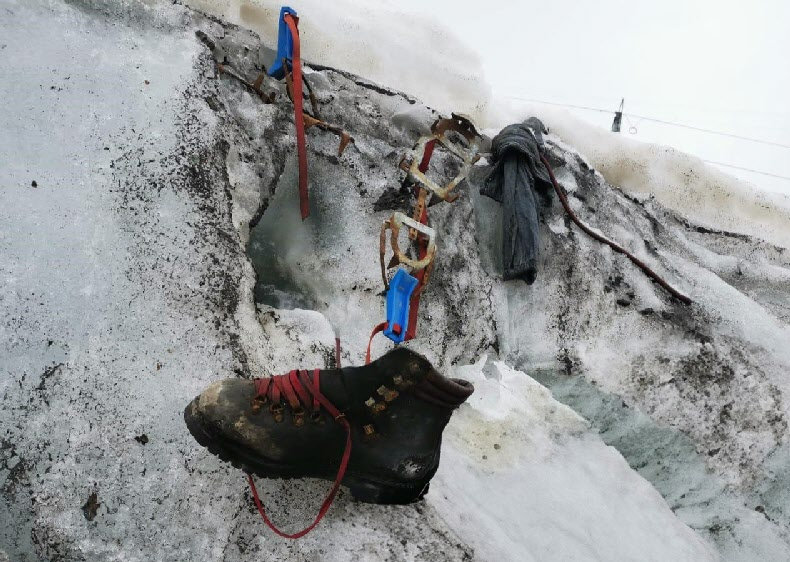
point(362, 489)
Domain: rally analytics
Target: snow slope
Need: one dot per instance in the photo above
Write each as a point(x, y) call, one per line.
point(127, 289)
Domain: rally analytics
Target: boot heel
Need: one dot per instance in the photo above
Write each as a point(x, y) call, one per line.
point(368, 492)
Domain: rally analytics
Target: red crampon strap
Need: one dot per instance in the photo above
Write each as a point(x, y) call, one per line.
point(379, 328)
point(414, 305)
point(426, 159)
point(301, 148)
point(422, 246)
point(296, 387)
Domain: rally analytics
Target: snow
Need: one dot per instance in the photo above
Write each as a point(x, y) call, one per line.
point(127, 289)
point(524, 479)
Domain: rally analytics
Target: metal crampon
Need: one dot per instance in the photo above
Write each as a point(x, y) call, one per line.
point(466, 147)
point(459, 137)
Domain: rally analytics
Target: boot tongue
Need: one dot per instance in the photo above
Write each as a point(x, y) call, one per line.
point(354, 385)
point(429, 384)
point(351, 386)
point(334, 386)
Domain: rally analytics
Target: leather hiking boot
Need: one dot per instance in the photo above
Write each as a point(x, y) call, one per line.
point(389, 415)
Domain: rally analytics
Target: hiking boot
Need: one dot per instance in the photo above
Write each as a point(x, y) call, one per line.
point(389, 414)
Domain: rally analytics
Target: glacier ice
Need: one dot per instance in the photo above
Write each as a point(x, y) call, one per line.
point(127, 288)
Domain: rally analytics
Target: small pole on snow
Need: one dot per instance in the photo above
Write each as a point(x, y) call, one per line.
point(618, 117)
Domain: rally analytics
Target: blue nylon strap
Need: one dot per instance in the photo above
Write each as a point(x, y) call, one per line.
point(398, 297)
point(285, 45)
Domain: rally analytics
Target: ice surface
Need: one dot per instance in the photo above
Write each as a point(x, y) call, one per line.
point(669, 460)
point(523, 479)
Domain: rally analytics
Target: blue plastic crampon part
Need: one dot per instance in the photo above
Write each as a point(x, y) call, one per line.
point(398, 297)
point(285, 45)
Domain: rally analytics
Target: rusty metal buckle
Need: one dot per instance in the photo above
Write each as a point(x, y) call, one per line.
point(298, 417)
point(394, 224)
point(277, 412)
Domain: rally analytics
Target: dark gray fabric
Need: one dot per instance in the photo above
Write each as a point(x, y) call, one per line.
point(618, 119)
point(515, 179)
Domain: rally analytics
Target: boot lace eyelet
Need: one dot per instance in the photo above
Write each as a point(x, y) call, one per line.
point(257, 403)
point(386, 393)
point(277, 412)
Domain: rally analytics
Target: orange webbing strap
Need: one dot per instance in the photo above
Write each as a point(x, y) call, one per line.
point(379, 328)
point(426, 157)
point(301, 148)
point(414, 305)
point(340, 418)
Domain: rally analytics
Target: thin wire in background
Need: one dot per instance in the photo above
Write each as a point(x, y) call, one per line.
point(633, 129)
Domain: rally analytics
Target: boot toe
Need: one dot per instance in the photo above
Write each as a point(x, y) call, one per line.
point(220, 410)
point(222, 419)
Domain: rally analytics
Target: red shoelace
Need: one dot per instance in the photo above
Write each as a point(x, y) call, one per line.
point(301, 391)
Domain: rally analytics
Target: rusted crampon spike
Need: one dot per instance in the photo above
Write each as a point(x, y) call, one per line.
point(345, 138)
point(468, 155)
point(394, 224)
point(289, 90)
point(459, 123)
point(259, 80)
point(309, 120)
point(254, 86)
point(313, 101)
